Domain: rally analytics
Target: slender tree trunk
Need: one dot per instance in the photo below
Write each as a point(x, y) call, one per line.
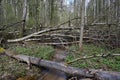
point(36, 15)
point(1, 13)
point(24, 18)
point(0, 8)
point(82, 24)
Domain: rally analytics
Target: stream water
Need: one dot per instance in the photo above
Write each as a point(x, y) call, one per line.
point(52, 74)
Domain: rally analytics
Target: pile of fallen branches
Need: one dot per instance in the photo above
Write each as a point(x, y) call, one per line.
point(41, 33)
point(57, 36)
point(67, 33)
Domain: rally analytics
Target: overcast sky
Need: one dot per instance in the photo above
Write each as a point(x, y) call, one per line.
point(71, 1)
point(68, 2)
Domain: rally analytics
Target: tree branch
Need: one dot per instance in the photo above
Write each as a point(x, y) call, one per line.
point(94, 56)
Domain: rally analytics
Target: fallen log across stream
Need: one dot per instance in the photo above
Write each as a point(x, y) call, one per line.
point(88, 73)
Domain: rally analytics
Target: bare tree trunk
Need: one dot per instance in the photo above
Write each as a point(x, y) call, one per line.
point(82, 24)
point(36, 15)
point(24, 18)
point(1, 13)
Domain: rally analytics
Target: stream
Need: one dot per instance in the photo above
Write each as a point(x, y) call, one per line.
point(52, 74)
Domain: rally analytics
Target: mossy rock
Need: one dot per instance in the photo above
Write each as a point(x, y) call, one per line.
point(2, 50)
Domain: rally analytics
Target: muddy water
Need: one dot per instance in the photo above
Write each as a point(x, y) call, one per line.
point(52, 74)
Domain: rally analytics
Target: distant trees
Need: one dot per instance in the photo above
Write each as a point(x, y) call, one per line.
point(103, 10)
point(104, 15)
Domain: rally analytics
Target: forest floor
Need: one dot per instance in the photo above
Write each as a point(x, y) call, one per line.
point(11, 69)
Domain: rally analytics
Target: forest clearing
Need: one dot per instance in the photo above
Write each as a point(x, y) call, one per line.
point(59, 39)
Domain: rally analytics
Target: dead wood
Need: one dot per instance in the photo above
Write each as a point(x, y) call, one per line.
point(50, 64)
point(59, 35)
point(40, 32)
point(94, 56)
point(103, 75)
point(54, 37)
point(62, 43)
point(10, 25)
point(90, 73)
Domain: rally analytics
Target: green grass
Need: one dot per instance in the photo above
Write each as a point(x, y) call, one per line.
point(108, 63)
point(45, 52)
point(13, 68)
point(17, 69)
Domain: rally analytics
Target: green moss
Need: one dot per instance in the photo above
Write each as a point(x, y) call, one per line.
point(2, 50)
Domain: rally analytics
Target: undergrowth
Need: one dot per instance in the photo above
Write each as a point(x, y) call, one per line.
point(45, 52)
point(11, 69)
point(106, 63)
point(10, 66)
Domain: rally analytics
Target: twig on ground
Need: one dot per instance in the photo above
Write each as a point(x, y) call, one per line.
point(93, 56)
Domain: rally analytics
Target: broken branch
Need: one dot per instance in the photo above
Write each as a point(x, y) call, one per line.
point(94, 56)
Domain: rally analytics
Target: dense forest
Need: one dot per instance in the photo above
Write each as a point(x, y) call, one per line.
point(59, 39)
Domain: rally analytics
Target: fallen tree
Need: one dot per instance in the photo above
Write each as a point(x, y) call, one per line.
point(89, 73)
point(40, 32)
